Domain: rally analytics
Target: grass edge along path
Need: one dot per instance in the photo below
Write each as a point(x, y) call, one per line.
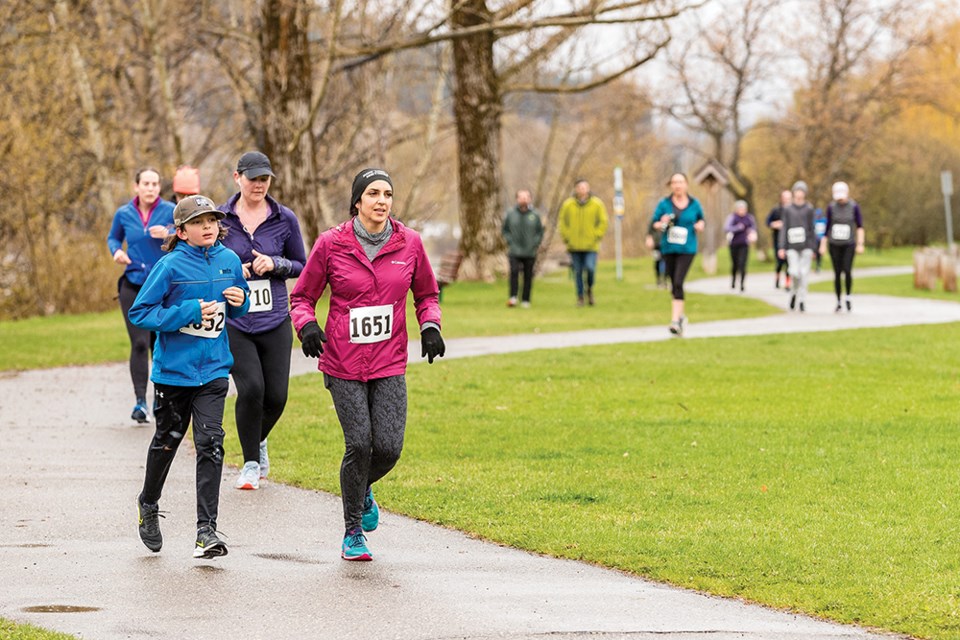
point(10, 630)
point(806, 472)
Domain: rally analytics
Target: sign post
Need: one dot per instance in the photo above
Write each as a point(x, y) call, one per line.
point(946, 186)
point(618, 220)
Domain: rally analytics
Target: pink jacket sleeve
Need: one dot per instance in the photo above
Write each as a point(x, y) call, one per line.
point(310, 285)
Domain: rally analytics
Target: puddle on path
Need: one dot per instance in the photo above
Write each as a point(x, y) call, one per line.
point(58, 608)
point(287, 557)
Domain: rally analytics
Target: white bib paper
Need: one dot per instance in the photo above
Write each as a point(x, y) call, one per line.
point(371, 324)
point(796, 235)
point(261, 297)
point(211, 328)
point(677, 235)
point(840, 232)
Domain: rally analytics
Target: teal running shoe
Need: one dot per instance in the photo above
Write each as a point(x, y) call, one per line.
point(355, 546)
point(371, 512)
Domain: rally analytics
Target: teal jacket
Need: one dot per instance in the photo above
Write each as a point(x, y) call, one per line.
point(582, 224)
point(169, 303)
point(523, 232)
point(683, 239)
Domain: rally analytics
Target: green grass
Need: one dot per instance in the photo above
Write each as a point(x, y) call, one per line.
point(814, 472)
point(901, 286)
point(10, 630)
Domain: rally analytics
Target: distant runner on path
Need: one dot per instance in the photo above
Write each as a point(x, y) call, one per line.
point(370, 263)
point(679, 217)
point(845, 236)
point(797, 243)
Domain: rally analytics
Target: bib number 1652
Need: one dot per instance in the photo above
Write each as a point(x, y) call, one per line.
point(371, 324)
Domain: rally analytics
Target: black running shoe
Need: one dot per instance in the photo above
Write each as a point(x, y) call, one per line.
point(208, 544)
point(149, 525)
point(849, 305)
point(793, 301)
point(801, 308)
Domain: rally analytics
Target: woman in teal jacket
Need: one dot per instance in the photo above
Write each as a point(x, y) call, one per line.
point(187, 299)
point(679, 218)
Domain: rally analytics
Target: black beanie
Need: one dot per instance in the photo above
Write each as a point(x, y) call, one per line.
point(362, 181)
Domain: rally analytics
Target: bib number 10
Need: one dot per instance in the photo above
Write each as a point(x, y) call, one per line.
point(371, 324)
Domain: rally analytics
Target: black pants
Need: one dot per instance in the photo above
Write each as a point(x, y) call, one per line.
point(526, 264)
point(738, 258)
point(373, 416)
point(261, 371)
point(141, 340)
point(842, 257)
point(678, 264)
point(175, 406)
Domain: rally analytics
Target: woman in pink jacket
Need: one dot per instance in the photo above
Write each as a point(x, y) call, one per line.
point(369, 263)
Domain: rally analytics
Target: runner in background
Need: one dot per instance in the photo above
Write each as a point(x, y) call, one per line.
point(186, 182)
point(142, 224)
point(820, 229)
point(266, 236)
point(797, 243)
point(370, 263)
point(186, 299)
point(775, 224)
point(741, 230)
point(845, 236)
point(679, 217)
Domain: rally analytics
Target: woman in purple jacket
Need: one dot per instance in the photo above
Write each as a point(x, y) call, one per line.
point(370, 264)
point(741, 230)
point(266, 236)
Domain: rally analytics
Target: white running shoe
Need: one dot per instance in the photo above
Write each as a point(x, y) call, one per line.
point(264, 460)
point(249, 477)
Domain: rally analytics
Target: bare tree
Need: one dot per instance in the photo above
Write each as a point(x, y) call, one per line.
point(720, 72)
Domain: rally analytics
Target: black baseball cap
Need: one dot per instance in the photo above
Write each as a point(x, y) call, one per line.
point(254, 164)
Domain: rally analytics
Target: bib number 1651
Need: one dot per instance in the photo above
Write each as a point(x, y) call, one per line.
point(371, 324)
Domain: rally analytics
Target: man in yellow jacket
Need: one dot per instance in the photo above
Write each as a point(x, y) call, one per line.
point(583, 221)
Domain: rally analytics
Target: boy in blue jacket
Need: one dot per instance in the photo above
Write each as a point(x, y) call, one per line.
point(186, 299)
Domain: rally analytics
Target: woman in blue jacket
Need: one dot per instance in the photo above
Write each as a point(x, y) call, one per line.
point(266, 236)
point(679, 217)
point(142, 223)
point(187, 299)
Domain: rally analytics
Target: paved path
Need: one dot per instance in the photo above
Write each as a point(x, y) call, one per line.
point(68, 535)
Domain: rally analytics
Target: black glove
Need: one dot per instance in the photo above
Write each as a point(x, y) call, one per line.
point(431, 344)
point(312, 339)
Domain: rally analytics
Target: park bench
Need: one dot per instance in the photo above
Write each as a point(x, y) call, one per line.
point(449, 269)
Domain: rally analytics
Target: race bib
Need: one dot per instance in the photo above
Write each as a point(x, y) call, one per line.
point(677, 235)
point(211, 328)
point(840, 232)
point(261, 297)
point(796, 235)
point(371, 324)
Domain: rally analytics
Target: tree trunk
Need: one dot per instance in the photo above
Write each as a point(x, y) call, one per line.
point(286, 99)
point(478, 108)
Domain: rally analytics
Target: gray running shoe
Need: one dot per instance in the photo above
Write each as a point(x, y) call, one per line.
point(249, 477)
point(148, 518)
point(264, 460)
point(208, 544)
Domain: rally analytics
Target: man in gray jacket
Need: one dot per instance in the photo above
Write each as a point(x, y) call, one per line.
point(523, 231)
point(797, 243)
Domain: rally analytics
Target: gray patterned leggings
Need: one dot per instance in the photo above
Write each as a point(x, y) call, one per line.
point(373, 416)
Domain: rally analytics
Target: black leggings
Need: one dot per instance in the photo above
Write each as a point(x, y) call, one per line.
point(678, 264)
point(175, 406)
point(373, 416)
point(842, 257)
point(141, 340)
point(261, 371)
point(738, 256)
